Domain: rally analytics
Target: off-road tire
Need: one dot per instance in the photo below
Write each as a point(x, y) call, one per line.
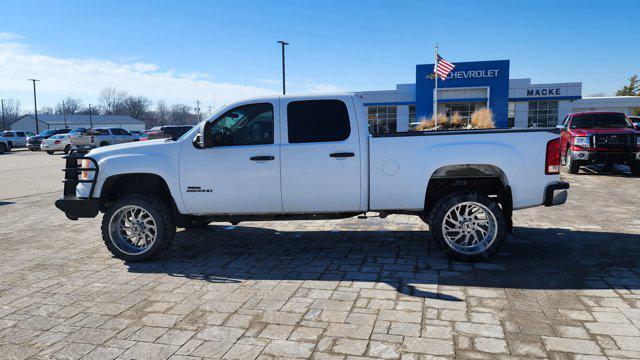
point(573, 166)
point(50, 152)
point(161, 212)
point(104, 143)
point(450, 201)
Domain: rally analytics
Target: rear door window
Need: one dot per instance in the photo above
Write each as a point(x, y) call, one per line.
point(317, 121)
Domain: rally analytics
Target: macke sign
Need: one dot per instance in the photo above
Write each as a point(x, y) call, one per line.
point(543, 92)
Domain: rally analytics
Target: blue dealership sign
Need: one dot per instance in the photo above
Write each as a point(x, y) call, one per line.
point(492, 75)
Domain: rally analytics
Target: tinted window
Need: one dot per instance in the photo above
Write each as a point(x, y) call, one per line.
point(601, 120)
point(317, 121)
point(20, 134)
point(245, 125)
point(7, 134)
point(98, 132)
point(119, 132)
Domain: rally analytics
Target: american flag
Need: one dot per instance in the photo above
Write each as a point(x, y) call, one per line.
point(442, 68)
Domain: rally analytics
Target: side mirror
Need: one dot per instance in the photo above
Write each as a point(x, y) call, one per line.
point(205, 140)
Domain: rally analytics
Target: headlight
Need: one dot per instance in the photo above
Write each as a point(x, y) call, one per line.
point(84, 175)
point(581, 141)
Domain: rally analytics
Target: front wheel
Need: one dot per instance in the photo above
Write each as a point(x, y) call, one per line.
point(573, 166)
point(3, 148)
point(468, 226)
point(138, 227)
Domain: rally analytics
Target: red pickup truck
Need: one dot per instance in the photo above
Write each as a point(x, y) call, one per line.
point(599, 138)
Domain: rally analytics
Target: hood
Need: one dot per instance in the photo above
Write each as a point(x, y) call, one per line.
point(37, 137)
point(135, 147)
point(588, 132)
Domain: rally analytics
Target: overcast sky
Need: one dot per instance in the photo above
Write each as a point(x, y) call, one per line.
point(180, 51)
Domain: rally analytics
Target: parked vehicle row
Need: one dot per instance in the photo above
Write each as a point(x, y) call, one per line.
point(165, 132)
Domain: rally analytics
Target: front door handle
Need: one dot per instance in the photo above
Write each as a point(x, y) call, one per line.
point(342, 155)
point(262, 158)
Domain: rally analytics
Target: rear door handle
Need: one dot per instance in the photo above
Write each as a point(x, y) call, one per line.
point(342, 155)
point(262, 158)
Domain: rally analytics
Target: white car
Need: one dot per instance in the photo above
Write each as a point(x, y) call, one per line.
point(55, 143)
point(102, 137)
point(311, 157)
point(17, 138)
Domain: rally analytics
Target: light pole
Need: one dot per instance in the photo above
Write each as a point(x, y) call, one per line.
point(4, 124)
point(35, 103)
point(90, 119)
point(284, 86)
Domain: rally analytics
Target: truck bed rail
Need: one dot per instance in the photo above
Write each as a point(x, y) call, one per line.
point(465, 132)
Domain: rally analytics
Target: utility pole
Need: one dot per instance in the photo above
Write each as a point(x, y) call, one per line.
point(35, 103)
point(284, 85)
point(198, 109)
point(4, 124)
point(64, 114)
point(90, 118)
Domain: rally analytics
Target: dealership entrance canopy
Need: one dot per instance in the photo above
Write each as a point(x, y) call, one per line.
point(479, 84)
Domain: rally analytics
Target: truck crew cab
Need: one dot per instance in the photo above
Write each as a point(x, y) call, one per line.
point(312, 157)
point(600, 138)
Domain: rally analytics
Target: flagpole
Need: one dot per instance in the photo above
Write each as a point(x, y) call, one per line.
point(435, 78)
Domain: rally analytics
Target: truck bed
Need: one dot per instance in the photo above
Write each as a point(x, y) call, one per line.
point(401, 164)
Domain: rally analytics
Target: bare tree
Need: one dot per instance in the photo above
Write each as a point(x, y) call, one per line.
point(46, 110)
point(11, 111)
point(181, 114)
point(68, 106)
point(112, 101)
point(137, 106)
point(162, 113)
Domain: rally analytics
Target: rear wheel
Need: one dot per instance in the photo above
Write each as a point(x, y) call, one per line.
point(138, 227)
point(468, 226)
point(50, 152)
point(104, 143)
point(3, 148)
point(573, 166)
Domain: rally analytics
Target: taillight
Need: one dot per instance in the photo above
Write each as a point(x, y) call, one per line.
point(57, 141)
point(84, 175)
point(552, 162)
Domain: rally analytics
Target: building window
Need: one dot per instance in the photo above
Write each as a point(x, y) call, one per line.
point(511, 117)
point(382, 119)
point(543, 113)
point(412, 114)
point(463, 109)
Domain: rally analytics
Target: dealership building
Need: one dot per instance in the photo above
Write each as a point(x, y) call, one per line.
point(470, 86)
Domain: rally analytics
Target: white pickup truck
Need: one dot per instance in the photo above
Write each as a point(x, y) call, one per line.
point(101, 137)
point(312, 157)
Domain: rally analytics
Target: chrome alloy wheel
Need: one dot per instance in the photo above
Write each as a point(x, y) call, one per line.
point(132, 230)
point(469, 228)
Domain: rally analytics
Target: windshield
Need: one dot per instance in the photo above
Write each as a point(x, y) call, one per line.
point(47, 132)
point(604, 120)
